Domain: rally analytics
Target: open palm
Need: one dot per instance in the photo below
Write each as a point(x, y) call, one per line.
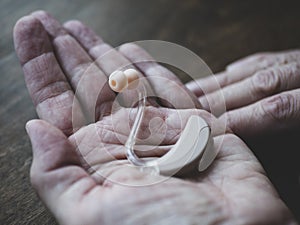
point(75, 171)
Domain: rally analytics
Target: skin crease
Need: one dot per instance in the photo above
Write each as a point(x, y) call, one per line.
point(67, 161)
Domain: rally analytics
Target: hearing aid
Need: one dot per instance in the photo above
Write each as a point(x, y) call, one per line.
point(193, 149)
point(121, 80)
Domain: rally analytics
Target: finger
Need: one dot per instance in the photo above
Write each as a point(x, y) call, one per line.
point(253, 63)
point(89, 82)
point(56, 172)
point(264, 83)
point(46, 83)
point(165, 84)
point(211, 83)
point(242, 69)
point(107, 57)
point(273, 114)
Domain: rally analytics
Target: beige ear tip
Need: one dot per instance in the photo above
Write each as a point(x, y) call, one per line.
point(118, 81)
point(132, 77)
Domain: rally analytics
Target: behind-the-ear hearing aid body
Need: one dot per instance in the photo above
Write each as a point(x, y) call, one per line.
point(194, 147)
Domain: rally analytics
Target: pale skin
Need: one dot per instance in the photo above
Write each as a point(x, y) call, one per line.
point(234, 190)
point(261, 92)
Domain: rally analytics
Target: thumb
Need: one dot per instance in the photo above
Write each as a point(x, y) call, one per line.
point(56, 165)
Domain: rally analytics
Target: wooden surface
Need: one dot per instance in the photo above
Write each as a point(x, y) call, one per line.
point(218, 31)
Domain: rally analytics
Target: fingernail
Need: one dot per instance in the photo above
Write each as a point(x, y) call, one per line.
point(28, 126)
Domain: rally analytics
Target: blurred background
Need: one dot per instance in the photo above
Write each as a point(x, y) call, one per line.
point(218, 31)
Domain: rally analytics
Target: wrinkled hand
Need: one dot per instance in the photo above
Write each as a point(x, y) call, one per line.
point(261, 92)
point(234, 190)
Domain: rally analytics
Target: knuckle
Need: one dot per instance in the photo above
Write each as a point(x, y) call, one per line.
point(266, 82)
point(279, 107)
point(224, 80)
